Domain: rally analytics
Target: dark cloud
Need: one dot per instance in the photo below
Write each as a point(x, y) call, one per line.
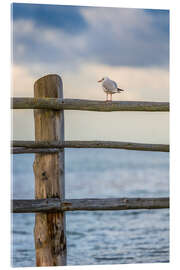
point(112, 36)
point(130, 37)
point(67, 18)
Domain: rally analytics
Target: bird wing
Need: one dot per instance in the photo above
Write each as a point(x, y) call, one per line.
point(109, 85)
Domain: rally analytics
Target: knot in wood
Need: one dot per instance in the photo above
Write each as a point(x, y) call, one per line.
point(44, 176)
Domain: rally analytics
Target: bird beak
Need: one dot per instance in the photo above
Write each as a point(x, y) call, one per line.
point(100, 80)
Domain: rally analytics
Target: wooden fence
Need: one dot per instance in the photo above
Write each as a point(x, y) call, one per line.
point(50, 204)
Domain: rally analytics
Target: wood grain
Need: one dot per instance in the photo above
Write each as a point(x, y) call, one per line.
point(53, 146)
point(50, 240)
point(88, 105)
point(55, 205)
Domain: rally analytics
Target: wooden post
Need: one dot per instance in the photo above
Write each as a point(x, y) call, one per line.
point(49, 231)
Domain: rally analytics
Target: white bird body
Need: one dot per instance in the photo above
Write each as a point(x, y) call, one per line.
point(109, 87)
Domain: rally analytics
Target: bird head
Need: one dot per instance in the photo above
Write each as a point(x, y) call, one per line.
point(103, 79)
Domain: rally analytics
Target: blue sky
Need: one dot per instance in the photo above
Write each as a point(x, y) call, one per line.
point(83, 44)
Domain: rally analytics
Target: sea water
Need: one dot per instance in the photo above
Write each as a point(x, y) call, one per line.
point(100, 237)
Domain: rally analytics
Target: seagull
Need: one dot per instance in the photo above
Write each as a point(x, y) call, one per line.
point(109, 87)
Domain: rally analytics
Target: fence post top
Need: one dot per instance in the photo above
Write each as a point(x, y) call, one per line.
point(49, 85)
point(48, 77)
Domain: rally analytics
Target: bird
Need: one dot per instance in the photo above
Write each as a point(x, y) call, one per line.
point(109, 87)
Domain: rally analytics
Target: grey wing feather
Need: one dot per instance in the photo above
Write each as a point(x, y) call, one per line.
point(115, 84)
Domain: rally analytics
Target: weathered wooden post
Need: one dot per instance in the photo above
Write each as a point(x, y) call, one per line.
point(49, 231)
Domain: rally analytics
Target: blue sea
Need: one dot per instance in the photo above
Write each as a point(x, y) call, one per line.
point(100, 237)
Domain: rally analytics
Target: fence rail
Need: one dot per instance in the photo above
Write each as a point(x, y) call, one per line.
point(20, 147)
point(54, 204)
point(88, 105)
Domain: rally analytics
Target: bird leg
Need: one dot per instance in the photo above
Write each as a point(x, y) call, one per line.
point(106, 96)
point(110, 96)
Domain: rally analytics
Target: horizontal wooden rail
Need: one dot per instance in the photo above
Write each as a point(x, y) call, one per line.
point(25, 150)
point(20, 147)
point(88, 105)
point(54, 204)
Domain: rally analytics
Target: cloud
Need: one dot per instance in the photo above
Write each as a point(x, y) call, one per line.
point(116, 37)
point(54, 16)
point(34, 45)
point(127, 37)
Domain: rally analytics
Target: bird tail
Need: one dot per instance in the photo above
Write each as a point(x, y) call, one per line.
point(119, 90)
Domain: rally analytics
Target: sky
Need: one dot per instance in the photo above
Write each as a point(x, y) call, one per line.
point(82, 45)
